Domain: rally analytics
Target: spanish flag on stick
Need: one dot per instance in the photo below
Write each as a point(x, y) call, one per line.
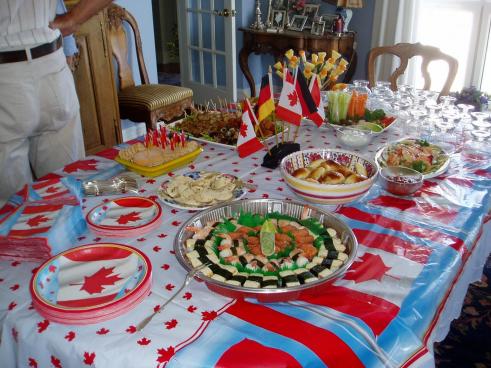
point(265, 102)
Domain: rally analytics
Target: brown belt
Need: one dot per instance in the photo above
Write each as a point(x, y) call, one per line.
point(36, 52)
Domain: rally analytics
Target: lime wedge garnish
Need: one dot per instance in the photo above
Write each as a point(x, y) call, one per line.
point(266, 238)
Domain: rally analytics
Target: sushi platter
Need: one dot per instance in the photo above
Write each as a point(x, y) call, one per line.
point(311, 248)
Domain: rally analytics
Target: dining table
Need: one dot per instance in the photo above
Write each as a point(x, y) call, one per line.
point(415, 259)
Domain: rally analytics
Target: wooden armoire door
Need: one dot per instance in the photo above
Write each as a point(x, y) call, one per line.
point(94, 81)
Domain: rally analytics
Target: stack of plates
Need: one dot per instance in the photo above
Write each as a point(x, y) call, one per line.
point(125, 217)
point(91, 283)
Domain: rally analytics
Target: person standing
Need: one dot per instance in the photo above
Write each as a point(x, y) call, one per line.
point(40, 128)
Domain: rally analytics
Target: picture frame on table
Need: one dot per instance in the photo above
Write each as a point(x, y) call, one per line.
point(278, 19)
point(329, 19)
point(318, 28)
point(310, 11)
point(298, 23)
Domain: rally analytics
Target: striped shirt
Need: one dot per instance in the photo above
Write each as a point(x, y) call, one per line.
point(24, 23)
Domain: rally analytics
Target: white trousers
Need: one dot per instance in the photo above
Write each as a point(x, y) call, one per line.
point(40, 128)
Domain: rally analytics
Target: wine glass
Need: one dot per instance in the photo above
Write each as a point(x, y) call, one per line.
point(481, 120)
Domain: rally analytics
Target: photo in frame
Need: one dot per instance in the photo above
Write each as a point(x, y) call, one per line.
point(310, 11)
point(276, 5)
point(298, 22)
point(278, 19)
point(329, 19)
point(318, 28)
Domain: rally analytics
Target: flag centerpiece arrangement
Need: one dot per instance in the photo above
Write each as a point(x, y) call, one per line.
point(300, 96)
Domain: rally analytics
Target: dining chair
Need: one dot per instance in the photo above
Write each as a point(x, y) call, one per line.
point(405, 51)
point(146, 102)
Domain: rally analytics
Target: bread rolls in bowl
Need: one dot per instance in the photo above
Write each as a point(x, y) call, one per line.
point(328, 176)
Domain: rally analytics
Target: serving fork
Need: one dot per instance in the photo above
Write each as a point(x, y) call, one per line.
point(189, 276)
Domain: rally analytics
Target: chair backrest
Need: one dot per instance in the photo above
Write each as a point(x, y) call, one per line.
point(119, 46)
point(406, 51)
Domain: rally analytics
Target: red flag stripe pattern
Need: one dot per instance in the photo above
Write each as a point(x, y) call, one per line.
point(289, 108)
point(393, 244)
point(306, 100)
point(413, 230)
point(315, 338)
point(376, 312)
point(247, 142)
point(319, 116)
point(265, 101)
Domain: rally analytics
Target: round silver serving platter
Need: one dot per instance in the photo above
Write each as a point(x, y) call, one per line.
point(263, 206)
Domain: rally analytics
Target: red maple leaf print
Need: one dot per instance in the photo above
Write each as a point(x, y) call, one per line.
point(169, 287)
point(208, 315)
point(174, 211)
point(94, 284)
point(141, 239)
point(165, 354)
point(15, 334)
point(89, 358)
point(12, 305)
point(37, 220)
point(369, 267)
point(52, 268)
point(162, 235)
point(43, 325)
point(265, 195)
point(131, 329)
point(33, 363)
point(187, 295)
point(293, 98)
point(165, 266)
point(191, 309)
point(156, 248)
point(70, 336)
point(156, 308)
point(52, 189)
point(176, 223)
point(129, 217)
point(56, 362)
point(83, 165)
point(15, 263)
point(150, 181)
point(144, 341)
point(14, 287)
point(102, 331)
point(243, 130)
point(97, 239)
point(171, 324)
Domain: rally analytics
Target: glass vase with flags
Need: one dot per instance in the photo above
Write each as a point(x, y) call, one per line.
point(247, 141)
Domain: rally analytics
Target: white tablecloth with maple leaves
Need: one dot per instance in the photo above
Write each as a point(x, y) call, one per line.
point(415, 260)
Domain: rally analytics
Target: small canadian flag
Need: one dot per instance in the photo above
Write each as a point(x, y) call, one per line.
point(289, 108)
point(319, 116)
point(247, 142)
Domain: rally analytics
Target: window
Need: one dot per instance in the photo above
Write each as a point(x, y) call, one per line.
point(460, 28)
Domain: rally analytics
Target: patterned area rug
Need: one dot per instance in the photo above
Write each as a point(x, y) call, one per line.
point(468, 344)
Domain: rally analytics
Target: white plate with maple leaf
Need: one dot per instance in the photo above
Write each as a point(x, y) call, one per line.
point(124, 216)
point(91, 283)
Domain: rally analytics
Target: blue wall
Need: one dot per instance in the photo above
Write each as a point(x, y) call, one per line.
point(142, 11)
point(361, 23)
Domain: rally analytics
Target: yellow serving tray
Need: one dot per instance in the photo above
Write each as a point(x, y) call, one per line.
point(154, 171)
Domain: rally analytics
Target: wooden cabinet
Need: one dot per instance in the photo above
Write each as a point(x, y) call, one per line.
point(261, 42)
point(94, 81)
